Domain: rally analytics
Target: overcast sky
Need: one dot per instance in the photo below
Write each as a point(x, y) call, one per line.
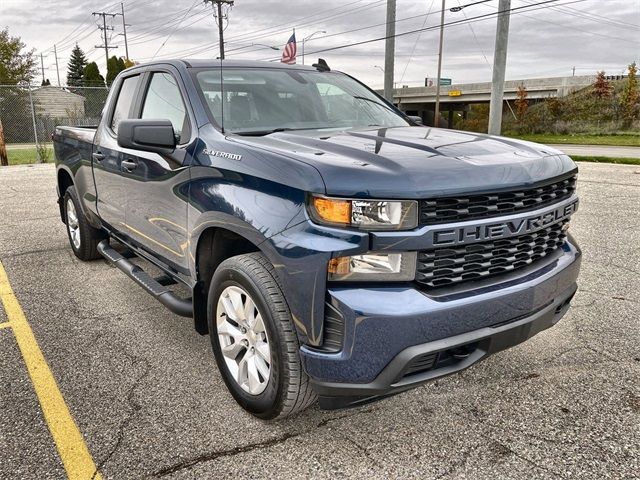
point(547, 40)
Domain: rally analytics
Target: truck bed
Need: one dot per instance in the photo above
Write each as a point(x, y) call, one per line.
point(73, 144)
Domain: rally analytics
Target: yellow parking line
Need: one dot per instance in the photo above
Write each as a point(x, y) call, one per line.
point(5, 325)
point(73, 451)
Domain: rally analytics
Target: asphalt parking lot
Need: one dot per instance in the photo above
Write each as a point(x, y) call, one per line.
point(145, 394)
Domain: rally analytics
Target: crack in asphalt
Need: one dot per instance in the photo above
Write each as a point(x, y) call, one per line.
point(30, 252)
point(526, 459)
point(214, 455)
point(134, 406)
point(363, 450)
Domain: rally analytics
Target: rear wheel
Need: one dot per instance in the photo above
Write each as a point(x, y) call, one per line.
point(253, 339)
point(83, 238)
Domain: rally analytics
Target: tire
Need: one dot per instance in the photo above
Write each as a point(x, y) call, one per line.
point(83, 238)
point(284, 389)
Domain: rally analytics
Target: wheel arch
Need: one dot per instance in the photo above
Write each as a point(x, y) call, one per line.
point(213, 246)
point(64, 181)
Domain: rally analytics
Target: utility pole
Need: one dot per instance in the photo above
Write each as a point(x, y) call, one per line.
point(499, 68)
point(573, 74)
point(105, 29)
point(124, 32)
point(55, 54)
point(42, 67)
point(219, 18)
point(390, 50)
point(436, 115)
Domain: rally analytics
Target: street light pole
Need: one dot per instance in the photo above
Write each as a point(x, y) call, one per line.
point(436, 117)
point(307, 38)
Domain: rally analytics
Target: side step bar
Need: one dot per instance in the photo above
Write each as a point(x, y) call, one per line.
point(179, 306)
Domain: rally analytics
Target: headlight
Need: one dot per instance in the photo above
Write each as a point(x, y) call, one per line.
point(365, 214)
point(399, 267)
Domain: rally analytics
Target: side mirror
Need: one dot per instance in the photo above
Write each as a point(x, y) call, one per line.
point(147, 135)
point(415, 119)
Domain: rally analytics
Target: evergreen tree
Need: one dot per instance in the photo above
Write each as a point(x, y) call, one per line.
point(77, 64)
point(114, 67)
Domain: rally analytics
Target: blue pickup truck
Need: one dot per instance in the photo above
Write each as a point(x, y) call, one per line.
point(334, 249)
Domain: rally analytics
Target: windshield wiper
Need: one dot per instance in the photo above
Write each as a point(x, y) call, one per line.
point(376, 103)
point(261, 133)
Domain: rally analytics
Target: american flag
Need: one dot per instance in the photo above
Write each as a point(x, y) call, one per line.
point(290, 50)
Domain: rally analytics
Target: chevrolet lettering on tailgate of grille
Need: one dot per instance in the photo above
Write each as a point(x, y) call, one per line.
point(447, 266)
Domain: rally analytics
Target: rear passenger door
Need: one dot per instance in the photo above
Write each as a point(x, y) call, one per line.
point(156, 215)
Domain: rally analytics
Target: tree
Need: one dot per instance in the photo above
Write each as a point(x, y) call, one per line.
point(97, 94)
point(114, 66)
point(522, 104)
point(91, 76)
point(46, 83)
point(75, 70)
point(629, 98)
point(128, 63)
point(602, 88)
point(16, 66)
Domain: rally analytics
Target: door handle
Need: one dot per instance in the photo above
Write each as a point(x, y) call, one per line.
point(128, 165)
point(97, 156)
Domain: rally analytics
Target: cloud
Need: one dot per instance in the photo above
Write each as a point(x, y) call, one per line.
point(588, 34)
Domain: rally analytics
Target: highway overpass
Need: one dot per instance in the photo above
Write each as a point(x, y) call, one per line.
point(421, 100)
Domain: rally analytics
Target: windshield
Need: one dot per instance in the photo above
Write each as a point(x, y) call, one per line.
point(259, 101)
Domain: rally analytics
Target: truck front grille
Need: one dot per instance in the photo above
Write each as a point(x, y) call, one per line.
point(446, 266)
point(459, 209)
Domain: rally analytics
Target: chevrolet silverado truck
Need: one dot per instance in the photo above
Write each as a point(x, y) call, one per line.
point(332, 248)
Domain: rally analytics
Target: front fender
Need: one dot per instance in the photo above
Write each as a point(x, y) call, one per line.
point(273, 217)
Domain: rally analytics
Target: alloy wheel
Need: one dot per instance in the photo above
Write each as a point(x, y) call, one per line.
point(72, 224)
point(243, 339)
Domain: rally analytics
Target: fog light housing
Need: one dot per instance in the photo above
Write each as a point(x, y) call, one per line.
point(374, 266)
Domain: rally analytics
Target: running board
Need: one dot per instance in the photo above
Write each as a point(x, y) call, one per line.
point(179, 306)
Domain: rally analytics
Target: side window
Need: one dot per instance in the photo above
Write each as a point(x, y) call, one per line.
point(164, 101)
point(124, 101)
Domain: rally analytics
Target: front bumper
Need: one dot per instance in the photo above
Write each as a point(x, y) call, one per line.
point(397, 338)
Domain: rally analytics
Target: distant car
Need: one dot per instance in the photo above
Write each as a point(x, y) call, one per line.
point(334, 249)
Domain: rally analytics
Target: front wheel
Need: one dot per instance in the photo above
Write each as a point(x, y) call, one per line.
point(253, 339)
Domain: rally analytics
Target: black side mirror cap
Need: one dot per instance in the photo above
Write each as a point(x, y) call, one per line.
point(415, 119)
point(149, 135)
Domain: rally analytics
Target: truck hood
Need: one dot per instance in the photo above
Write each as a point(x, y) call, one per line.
point(415, 162)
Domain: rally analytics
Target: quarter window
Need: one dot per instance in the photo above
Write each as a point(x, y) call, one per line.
point(164, 101)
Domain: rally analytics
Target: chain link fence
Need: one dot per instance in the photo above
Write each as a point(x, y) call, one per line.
point(30, 114)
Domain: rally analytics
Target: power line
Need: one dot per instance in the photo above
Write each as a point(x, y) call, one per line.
point(105, 29)
point(450, 24)
point(591, 16)
point(271, 31)
point(172, 31)
point(415, 45)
